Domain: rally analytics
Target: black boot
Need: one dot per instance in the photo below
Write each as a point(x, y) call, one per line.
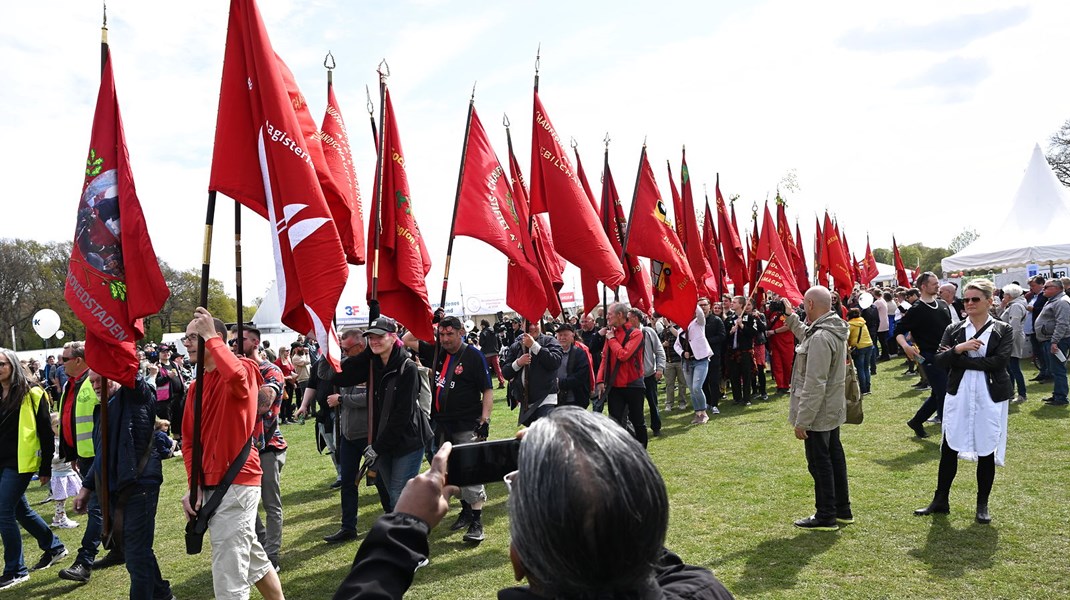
point(982, 514)
point(939, 505)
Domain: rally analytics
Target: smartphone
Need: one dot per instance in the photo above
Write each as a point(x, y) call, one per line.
point(482, 462)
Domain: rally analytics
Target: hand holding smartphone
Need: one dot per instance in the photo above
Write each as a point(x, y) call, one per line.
point(482, 462)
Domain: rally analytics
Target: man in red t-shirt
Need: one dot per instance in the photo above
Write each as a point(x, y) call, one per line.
point(228, 416)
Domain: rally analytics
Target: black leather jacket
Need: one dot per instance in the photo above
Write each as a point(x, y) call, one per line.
point(994, 363)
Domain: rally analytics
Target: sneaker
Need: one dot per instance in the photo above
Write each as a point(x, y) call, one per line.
point(49, 558)
point(845, 519)
point(12, 580)
point(668, 408)
point(933, 420)
point(1020, 399)
point(765, 396)
point(812, 523)
point(275, 563)
point(76, 572)
point(714, 410)
point(64, 523)
point(474, 533)
point(336, 485)
point(463, 520)
point(1055, 402)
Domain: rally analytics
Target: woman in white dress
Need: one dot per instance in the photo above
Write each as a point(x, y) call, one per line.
point(975, 351)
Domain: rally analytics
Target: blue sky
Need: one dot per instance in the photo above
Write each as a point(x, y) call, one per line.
point(914, 118)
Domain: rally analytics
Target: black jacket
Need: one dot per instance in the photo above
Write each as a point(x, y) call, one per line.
point(994, 363)
point(488, 342)
point(131, 427)
point(397, 544)
point(398, 422)
point(541, 373)
point(577, 379)
point(715, 334)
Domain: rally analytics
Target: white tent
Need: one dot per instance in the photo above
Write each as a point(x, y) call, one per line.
point(1034, 232)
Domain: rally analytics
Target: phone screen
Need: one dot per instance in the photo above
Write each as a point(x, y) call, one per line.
point(482, 462)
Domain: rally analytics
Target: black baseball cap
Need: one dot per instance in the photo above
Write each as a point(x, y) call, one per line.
point(381, 326)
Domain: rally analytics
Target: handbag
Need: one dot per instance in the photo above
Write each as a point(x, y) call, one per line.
point(196, 528)
point(854, 396)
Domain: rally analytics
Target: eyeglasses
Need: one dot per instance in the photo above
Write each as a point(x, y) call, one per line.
point(67, 358)
point(189, 338)
point(972, 299)
point(233, 342)
point(510, 480)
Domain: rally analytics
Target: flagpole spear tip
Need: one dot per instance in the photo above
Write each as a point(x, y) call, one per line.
point(383, 69)
point(606, 140)
point(371, 107)
point(572, 142)
point(473, 98)
point(329, 57)
point(505, 120)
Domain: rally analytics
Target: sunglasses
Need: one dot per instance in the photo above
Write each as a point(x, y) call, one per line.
point(233, 342)
point(972, 299)
point(67, 358)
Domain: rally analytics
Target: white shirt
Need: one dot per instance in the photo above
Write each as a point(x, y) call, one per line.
point(973, 424)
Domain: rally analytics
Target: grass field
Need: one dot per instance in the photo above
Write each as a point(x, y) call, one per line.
point(735, 485)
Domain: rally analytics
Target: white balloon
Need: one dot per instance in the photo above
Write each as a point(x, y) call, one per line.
point(46, 322)
point(469, 325)
point(60, 334)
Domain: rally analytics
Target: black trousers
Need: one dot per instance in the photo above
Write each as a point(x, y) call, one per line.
point(828, 467)
point(712, 386)
point(627, 404)
point(949, 466)
point(740, 374)
point(652, 401)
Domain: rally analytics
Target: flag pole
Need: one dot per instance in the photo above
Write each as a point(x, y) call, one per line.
point(371, 115)
point(334, 322)
point(605, 216)
point(196, 476)
point(376, 224)
point(103, 493)
point(531, 216)
point(635, 194)
point(239, 347)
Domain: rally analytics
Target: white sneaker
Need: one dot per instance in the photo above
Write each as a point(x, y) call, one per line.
point(714, 410)
point(65, 523)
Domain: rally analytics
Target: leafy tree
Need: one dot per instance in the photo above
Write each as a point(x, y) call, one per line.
point(915, 256)
point(1059, 153)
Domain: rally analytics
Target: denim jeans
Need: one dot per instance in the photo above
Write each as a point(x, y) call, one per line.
point(937, 377)
point(862, 358)
point(1014, 369)
point(395, 470)
point(1041, 351)
point(15, 511)
point(1057, 368)
point(349, 454)
point(139, 526)
point(828, 467)
point(651, 384)
point(873, 355)
point(695, 372)
point(94, 523)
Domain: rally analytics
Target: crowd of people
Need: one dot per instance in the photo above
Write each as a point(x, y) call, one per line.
point(398, 401)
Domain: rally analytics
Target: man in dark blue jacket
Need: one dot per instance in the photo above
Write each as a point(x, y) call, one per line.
point(134, 478)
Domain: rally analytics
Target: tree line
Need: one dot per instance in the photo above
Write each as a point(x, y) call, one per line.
point(33, 274)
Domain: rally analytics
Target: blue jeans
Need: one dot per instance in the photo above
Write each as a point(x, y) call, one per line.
point(863, 358)
point(1041, 350)
point(1057, 368)
point(1014, 369)
point(394, 471)
point(139, 525)
point(695, 372)
point(15, 511)
point(349, 454)
point(934, 404)
point(873, 355)
point(93, 525)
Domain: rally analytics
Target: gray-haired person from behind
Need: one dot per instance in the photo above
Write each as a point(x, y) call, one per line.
point(579, 471)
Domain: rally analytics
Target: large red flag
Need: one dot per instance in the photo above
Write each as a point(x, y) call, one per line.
point(403, 258)
point(638, 283)
point(794, 257)
point(869, 270)
point(108, 293)
point(900, 269)
point(732, 249)
point(821, 265)
point(263, 160)
point(348, 218)
point(652, 235)
point(677, 208)
point(577, 236)
point(713, 252)
point(753, 261)
point(696, 256)
point(769, 240)
point(520, 294)
point(802, 276)
point(837, 261)
point(777, 277)
point(487, 210)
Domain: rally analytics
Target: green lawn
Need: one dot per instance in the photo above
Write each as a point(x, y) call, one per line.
point(736, 485)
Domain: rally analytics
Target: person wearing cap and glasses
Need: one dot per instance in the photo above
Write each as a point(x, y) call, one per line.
point(570, 537)
point(461, 403)
point(399, 428)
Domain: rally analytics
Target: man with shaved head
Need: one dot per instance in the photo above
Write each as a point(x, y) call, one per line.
point(819, 407)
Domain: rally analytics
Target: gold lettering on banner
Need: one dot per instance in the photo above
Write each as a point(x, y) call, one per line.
point(398, 158)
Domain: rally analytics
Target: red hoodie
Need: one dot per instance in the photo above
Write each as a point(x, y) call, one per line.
point(625, 347)
point(228, 414)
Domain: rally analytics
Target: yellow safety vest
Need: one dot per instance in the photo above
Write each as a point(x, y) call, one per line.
point(29, 454)
point(85, 404)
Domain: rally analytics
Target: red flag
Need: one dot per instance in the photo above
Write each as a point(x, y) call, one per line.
point(870, 271)
point(917, 270)
point(263, 160)
point(731, 247)
point(856, 268)
point(837, 261)
point(652, 235)
point(677, 208)
point(588, 283)
point(487, 210)
point(777, 277)
point(821, 264)
point(525, 297)
point(900, 269)
point(802, 276)
point(769, 241)
point(696, 256)
point(348, 218)
point(753, 261)
point(710, 245)
point(403, 258)
point(638, 283)
point(555, 189)
point(107, 293)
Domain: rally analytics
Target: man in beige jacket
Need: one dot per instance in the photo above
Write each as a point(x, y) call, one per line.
point(819, 407)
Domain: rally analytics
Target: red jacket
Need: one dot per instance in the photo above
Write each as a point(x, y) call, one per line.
point(625, 347)
point(228, 415)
